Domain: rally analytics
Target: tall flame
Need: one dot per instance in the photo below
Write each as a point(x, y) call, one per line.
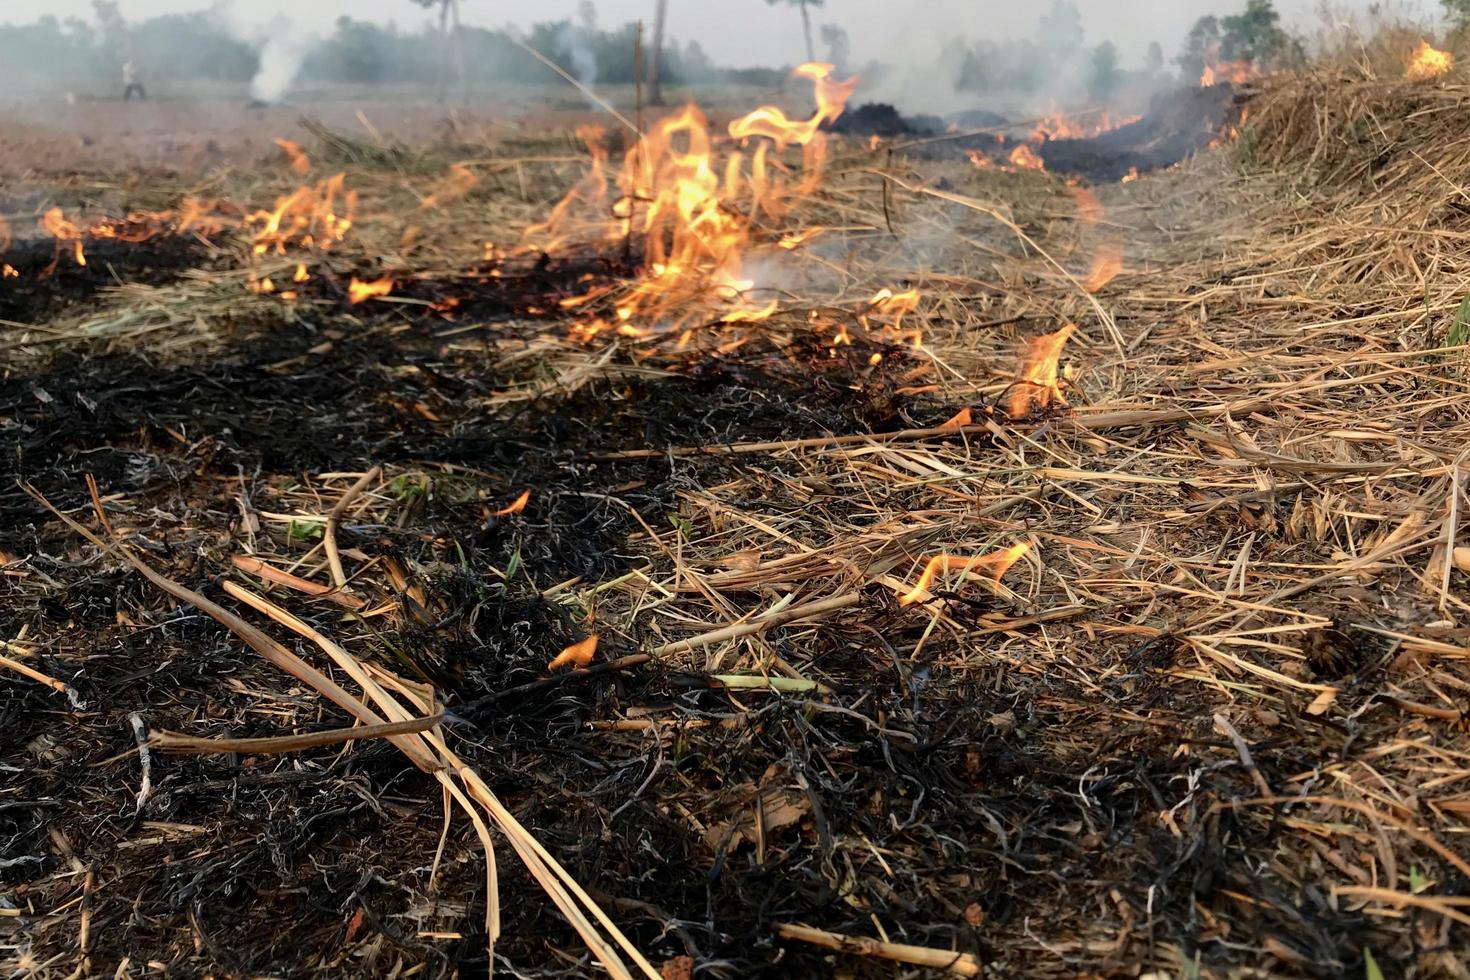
point(1039, 387)
point(994, 565)
point(694, 214)
point(1428, 62)
point(66, 233)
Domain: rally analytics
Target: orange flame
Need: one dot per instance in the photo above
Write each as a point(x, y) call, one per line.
point(1217, 71)
point(300, 162)
point(1025, 158)
point(456, 184)
point(516, 506)
point(1428, 62)
point(579, 654)
point(66, 233)
point(961, 419)
point(307, 217)
point(359, 291)
point(1057, 125)
point(995, 565)
point(1107, 265)
point(694, 214)
point(1039, 387)
point(301, 274)
point(893, 307)
point(8, 271)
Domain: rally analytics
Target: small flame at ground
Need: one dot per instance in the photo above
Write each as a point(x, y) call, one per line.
point(579, 654)
point(66, 233)
point(359, 291)
point(515, 507)
point(1234, 72)
point(458, 182)
point(995, 565)
point(1428, 62)
point(300, 162)
point(1107, 265)
point(1039, 387)
point(1025, 158)
point(961, 419)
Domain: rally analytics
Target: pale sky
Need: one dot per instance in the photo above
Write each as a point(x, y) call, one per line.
point(748, 32)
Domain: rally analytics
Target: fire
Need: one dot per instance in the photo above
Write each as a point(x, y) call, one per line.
point(893, 307)
point(579, 654)
point(1057, 125)
point(312, 216)
point(961, 419)
point(1234, 72)
point(695, 214)
point(1025, 158)
point(1039, 387)
point(359, 291)
point(995, 565)
point(66, 233)
point(8, 271)
point(515, 507)
point(1131, 175)
point(301, 274)
point(456, 184)
point(1107, 264)
point(300, 162)
point(1428, 62)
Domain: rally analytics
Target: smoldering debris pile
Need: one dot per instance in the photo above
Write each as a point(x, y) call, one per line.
point(1177, 124)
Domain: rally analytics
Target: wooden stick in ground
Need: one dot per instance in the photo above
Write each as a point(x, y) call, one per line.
point(329, 536)
point(818, 608)
point(959, 964)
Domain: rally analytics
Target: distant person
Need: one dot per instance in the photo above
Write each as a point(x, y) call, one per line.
point(132, 84)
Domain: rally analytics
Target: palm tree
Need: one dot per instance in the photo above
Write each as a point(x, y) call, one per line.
point(806, 22)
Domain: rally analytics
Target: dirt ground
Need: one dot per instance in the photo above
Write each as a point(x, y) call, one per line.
point(1212, 724)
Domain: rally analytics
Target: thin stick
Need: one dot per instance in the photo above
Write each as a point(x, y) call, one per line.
point(329, 536)
point(145, 761)
point(190, 744)
point(272, 575)
point(58, 686)
point(959, 964)
point(818, 608)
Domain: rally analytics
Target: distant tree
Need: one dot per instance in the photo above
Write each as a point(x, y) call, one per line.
point(1061, 29)
point(1154, 60)
point(1106, 76)
point(839, 46)
point(1201, 46)
point(446, 7)
point(655, 82)
point(1255, 34)
point(806, 21)
point(1458, 11)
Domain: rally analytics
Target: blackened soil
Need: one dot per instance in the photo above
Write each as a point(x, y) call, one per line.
point(33, 296)
point(302, 400)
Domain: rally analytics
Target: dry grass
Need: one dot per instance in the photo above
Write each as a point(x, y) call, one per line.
point(1235, 656)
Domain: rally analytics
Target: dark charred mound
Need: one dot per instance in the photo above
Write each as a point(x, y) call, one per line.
point(1177, 125)
point(882, 119)
point(32, 295)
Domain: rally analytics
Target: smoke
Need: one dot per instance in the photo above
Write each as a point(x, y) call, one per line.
point(282, 54)
point(281, 46)
point(574, 39)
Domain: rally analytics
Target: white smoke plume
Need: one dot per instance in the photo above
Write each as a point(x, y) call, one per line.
point(281, 48)
point(282, 54)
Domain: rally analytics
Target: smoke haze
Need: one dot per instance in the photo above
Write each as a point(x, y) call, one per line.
point(749, 32)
